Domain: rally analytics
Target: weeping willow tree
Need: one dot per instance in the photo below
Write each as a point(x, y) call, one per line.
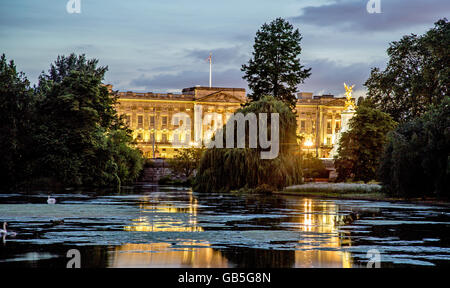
point(226, 169)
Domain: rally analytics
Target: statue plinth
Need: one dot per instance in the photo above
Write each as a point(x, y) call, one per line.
point(346, 115)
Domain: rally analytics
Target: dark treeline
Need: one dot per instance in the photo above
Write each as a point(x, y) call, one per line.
point(65, 130)
point(414, 90)
point(416, 159)
point(400, 134)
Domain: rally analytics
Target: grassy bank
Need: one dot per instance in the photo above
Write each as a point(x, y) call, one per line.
point(354, 191)
point(336, 190)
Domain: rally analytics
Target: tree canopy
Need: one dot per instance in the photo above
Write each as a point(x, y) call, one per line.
point(416, 159)
point(417, 74)
point(17, 102)
point(361, 147)
point(226, 169)
point(275, 67)
point(75, 136)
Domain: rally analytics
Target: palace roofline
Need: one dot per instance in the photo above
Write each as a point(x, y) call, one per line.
point(197, 92)
point(204, 88)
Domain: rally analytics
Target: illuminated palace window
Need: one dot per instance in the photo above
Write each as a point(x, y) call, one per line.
point(152, 121)
point(140, 122)
point(303, 125)
point(164, 138)
point(164, 121)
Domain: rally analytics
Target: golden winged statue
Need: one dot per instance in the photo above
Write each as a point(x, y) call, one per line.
point(348, 94)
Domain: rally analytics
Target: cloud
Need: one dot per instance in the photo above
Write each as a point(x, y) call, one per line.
point(328, 77)
point(189, 78)
point(231, 55)
point(396, 14)
point(226, 71)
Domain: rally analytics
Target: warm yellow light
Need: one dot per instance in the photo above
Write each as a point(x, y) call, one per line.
point(193, 144)
point(308, 143)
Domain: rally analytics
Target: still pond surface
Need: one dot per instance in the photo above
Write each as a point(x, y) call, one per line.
point(156, 226)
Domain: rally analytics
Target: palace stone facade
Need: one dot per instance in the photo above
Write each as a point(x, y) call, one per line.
point(150, 115)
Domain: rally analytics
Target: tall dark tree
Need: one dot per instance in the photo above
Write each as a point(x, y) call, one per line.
point(82, 140)
point(417, 74)
point(62, 69)
point(65, 131)
point(64, 65)
point(16, 119)
point(275, 67)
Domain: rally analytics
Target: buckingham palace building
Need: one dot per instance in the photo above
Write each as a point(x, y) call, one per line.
point(153, 118)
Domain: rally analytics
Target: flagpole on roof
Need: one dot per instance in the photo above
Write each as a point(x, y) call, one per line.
point(210, 70)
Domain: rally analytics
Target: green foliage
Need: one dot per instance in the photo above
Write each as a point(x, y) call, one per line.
point(414, 90)
point(360, 147)
point(416, 160)
point(264, 189)
point(261, 189)
point(129, 161)
point(275, 67)
point(336, 189)
point(167, 180)
point(313, 167)
point(186, 161)
point(16, 124)
point(88, 143)
point(223, 170)
point(76, 136)
point(417, 74)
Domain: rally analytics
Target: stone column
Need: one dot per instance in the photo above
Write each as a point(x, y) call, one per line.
point(333, 126)
point(198, 124)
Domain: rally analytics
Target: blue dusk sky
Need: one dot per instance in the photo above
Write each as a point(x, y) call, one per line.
point(161, 45)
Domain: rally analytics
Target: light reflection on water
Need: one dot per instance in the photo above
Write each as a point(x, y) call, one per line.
point(167, 227)
point(195, 255)
point(318, 218)
point(166, 224)
point(162, 255)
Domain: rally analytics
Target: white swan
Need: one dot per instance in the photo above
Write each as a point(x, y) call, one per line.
point(51, 200)
point(5, 232)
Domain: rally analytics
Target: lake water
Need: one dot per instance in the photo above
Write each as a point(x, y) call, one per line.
point(156, 226)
